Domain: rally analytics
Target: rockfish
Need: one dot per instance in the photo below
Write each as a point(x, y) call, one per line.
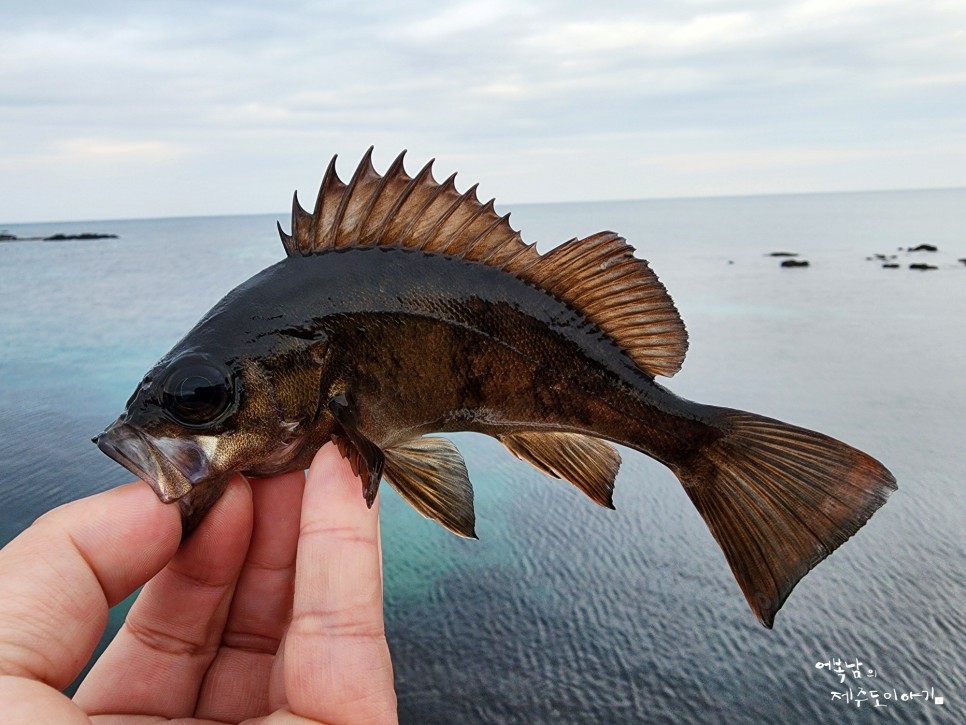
point(405, 308)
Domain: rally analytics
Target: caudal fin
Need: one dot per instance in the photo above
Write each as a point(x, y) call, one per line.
point(779, 499)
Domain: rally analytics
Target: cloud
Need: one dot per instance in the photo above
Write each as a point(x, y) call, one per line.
point(458, 19)
point(700, 34)
point(88, 150)
point(243, 100)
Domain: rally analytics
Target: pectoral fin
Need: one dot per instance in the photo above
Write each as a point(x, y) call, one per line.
point(430, 474)
point(365, 457)
point(588, 463)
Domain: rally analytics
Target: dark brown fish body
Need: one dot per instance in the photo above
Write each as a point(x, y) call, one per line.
point(396, 324)
point(405, 309)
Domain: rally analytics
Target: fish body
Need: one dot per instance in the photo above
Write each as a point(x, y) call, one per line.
point(505, 350)
point(404, 308)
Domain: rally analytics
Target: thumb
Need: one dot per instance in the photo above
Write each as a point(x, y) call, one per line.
point(60, 576)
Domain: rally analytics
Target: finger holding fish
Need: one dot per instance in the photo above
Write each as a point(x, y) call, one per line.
point(57, 580)
point(157, 662)
point(99, 549)
point(336, 663)
point(236, 685)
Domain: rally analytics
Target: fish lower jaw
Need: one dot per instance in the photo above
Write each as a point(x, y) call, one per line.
point(141, 455)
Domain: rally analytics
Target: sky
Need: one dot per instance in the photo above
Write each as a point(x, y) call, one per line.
point(146, 109)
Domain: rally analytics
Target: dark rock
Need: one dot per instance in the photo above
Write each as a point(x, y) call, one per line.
point(783, 254)
point(881, 256)
point(924, 248)
point(84, 237)
point(963, 260)
point(795, 263)
point(890, 265)
point(8, 237)
point(920, 265)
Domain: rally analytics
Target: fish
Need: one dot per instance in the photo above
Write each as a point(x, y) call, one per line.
point(404, 309)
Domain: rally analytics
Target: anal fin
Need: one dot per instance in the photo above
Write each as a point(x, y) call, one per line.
point(588, 463)
point(429, 473)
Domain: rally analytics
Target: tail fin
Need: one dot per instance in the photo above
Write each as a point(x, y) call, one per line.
point(779, 499)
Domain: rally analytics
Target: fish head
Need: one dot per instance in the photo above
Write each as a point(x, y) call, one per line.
point(198, 418)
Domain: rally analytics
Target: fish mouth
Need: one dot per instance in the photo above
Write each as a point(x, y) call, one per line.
point(172, 467)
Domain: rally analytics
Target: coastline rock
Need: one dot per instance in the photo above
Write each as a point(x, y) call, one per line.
point(782, 254)
point(84, 236)
point(924, 248)
point(920, 265)
point(795, 263)
point(890, 265)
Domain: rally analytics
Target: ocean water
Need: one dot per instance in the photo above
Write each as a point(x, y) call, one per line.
point(563, 611)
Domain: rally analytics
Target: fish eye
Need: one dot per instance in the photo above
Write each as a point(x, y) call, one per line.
point(197, 392)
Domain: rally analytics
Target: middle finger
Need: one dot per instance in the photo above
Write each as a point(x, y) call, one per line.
point(236, 686)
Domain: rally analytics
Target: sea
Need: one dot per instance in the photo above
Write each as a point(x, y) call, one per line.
point(564, 612)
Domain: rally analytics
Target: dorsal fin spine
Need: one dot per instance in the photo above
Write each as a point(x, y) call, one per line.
point(485, 210)
point(522, 262)
point(301, 219)
point(440, 223)
point(363, 170)
point(467, 246)
point(413, 223)
point(446, 245)
point(383, 183)
point(330, 186)
point(492, 257)
point(288, 241)
point(415, 182)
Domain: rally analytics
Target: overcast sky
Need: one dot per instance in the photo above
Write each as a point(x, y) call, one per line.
point(134, 109)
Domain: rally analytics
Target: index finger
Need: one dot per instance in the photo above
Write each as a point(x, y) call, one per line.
point(60, 576)
point(337, 667)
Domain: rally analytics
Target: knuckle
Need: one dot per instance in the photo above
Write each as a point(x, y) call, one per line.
point(164, 642)
point(336, 624)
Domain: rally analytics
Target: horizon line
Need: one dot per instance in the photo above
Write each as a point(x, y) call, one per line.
point(697, 197)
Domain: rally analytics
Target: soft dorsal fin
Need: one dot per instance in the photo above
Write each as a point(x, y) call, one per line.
point(598, 276)
point(588, 463)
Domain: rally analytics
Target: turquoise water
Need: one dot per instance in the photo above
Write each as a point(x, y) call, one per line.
point(563, 611)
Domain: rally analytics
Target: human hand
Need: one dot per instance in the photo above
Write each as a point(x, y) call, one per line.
point(271, 609)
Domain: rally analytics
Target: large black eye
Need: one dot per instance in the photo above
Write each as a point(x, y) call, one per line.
point(196, 391)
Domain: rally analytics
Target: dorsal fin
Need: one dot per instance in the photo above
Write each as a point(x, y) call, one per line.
point(396, 209)
point(598, 276)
